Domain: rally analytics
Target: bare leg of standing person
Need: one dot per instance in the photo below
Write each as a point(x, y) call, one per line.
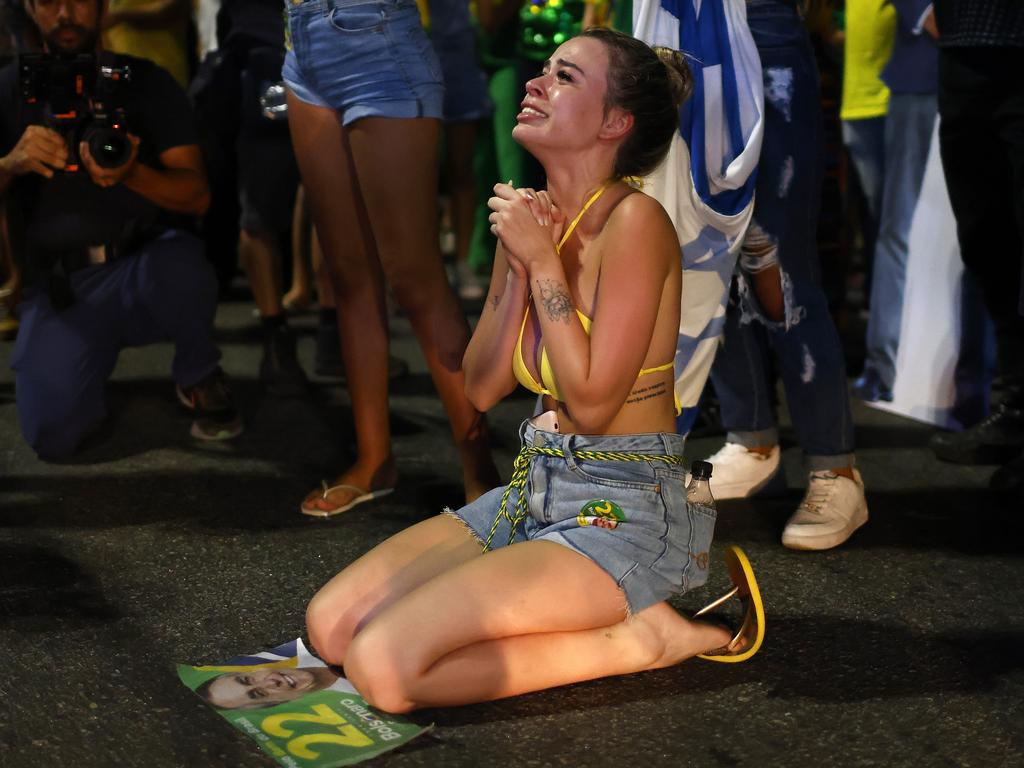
point(364, 221)
point(300, 294)
point(461, 141)
point(405, 229)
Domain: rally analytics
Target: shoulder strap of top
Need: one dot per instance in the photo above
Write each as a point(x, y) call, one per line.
point(572, 225)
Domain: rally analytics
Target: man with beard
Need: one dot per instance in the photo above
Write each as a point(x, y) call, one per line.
point(106, 263)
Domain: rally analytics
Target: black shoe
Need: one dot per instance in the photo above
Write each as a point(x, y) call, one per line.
point(210, 400)
point(280, 371)
point(996, 440)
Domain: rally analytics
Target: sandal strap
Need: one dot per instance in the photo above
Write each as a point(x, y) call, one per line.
point(348, 486)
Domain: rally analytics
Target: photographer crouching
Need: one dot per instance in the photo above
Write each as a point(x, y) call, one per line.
point(100, 165)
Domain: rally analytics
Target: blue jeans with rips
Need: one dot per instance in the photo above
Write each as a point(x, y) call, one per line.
point(804, 346)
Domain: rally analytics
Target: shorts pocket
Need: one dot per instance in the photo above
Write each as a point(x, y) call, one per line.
point(358, 19)
point(702, 532)
point(619, 474)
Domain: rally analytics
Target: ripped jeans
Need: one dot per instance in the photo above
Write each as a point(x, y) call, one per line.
point(803, 345)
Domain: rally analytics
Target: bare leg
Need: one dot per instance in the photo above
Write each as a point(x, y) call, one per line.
point(461, 142)
point(262, 262)
point(768, 287)
point(655, 638)
point(320, 274)
point(523, 618)
point(386, 573)
point(325, 160)
point(300, 295)
point(404, 225)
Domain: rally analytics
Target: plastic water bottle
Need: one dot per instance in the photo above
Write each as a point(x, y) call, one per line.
point(698, 492)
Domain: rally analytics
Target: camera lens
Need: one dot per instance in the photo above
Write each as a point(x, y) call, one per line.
point(110, 148)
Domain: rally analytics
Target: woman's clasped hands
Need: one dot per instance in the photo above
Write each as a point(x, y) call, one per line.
point(528, 224)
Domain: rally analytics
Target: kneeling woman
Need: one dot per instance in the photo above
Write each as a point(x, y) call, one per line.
point(562, 575)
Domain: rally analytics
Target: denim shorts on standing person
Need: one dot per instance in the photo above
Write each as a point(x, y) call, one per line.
point(364, 58)
point(630, 518)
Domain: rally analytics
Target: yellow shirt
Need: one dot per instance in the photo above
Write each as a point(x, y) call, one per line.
point(870, 29)
point(165, 47)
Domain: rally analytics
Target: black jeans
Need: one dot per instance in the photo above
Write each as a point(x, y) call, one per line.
point(981, 138)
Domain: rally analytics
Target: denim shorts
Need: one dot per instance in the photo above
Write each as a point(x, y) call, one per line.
point(364, 58)
point(629, 517)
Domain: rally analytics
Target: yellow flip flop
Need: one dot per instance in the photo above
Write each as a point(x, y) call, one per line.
point(748, 638)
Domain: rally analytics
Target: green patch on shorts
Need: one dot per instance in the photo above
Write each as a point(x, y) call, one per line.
point(602, 513)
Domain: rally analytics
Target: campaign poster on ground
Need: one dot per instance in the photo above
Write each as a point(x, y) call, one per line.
point(298, 709)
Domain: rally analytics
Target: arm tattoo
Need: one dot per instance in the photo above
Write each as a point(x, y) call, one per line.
point(640, 394)
point(555, 300)
point(496, 300)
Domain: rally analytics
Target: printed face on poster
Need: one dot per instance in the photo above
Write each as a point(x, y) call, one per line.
point(299, 710)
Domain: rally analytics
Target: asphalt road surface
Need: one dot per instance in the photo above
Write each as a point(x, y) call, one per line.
point(903, 647)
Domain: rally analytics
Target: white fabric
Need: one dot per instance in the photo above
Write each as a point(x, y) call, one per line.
point(709, 238)
point(924, 388)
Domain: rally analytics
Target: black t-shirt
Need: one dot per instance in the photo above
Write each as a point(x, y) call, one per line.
point(54, 218)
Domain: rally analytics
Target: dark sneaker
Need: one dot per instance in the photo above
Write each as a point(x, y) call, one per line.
point(280, 371)
point(996, 440)
point(210, 401)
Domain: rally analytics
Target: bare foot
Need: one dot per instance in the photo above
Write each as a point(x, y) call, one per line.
point(297, 299)
point(359, 477)
point(680, 638)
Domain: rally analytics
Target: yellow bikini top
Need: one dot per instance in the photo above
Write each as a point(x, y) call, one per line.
point(546, 385)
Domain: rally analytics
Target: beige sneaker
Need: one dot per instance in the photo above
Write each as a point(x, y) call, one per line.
point(833, 508)
point(739, 473)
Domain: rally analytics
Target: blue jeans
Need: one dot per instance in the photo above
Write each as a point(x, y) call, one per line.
point(804, 346)
point(166, 291)
point(865, 141)
point(908, 135)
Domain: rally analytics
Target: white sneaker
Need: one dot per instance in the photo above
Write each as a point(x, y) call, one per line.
point(739, 473)
point(833, 508)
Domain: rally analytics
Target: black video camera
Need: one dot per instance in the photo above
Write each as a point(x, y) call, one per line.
point(82, 99)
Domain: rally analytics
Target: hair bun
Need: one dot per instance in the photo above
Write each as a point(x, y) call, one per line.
point(679, 76)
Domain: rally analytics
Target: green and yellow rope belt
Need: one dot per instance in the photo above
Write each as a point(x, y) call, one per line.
point(521, 468)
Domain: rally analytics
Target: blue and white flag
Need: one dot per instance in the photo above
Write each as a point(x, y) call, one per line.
point(707, 181)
